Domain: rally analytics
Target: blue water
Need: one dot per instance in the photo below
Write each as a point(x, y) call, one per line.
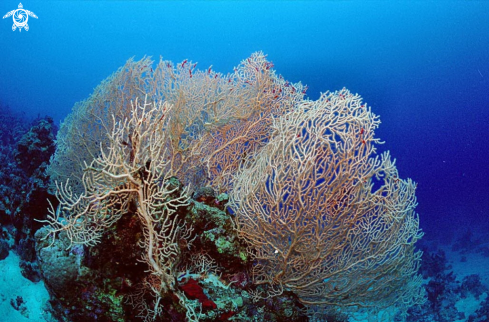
point(423, 66)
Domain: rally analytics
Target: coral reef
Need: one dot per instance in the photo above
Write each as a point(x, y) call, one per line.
point(12, 128)
point(314, 219)
point(27, 147)
point(214, 268)
point(444, 289)
point(107, 282)
point(482, 313)
point(468, 242)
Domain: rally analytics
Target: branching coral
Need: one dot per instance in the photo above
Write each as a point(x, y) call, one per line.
point(132, 174)
point(324, 218)
point(217, 119)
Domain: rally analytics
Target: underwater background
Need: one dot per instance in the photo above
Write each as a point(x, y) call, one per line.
point(423, 66)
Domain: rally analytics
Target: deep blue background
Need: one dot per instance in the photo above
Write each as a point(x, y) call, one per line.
point(423, 66)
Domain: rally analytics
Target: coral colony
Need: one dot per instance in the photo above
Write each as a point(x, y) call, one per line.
point(189, 195)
